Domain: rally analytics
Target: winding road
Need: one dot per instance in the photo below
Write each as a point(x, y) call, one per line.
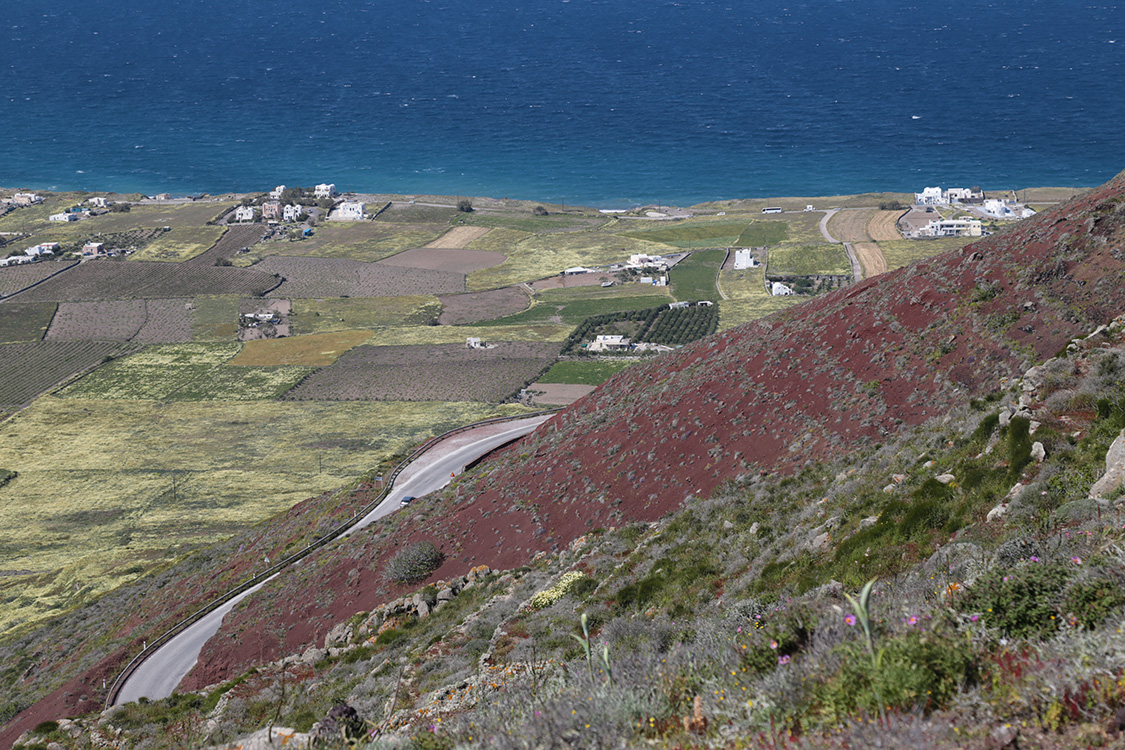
point(163, 670)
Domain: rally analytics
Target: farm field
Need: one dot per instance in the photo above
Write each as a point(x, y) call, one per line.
point(146, 321)
point(433, 335)
point(110, 279)
point(459, 237)
point(350, 313)
point(419, 214)
point(106, 499)
point(528, 222)
point(26, 370)
point(798, 203)
point(457, 260)
point(499, 241)
point(808, 260)
point(17, 278)
point(572, 305)
point(763, 232)
point(693, 233)
point(234, 239)
point(367, 241)
point(25, 321)
point(179, 244)
point(883, 226)
point(693, 278)
point(475, 307)
point(736, 312)
point(215, 318)
point(583, 372)
point(428, 373)
point(870, 258)
point(904, 252)
point(851, 225)
point(317, 278)
point(538, 256)
point(315, 350)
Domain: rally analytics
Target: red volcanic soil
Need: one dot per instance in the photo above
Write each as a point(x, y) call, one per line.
point(810, 383)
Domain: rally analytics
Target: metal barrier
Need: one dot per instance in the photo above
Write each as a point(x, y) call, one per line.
point(182, 625)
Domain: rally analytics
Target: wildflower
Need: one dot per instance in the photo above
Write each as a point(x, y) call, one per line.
point(849, 619)
point(773, 645)
point(1033, 558)
point(783, 659)
point(974, 618)
point(912, 620)
point(1076, 560)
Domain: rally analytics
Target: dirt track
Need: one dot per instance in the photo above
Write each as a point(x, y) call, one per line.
point(871, 258)
point(459, 237)
point(883, 226)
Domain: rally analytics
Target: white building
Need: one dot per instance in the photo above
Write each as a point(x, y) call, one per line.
point(244, 213)
point(275, 194)
point(931, 196)
point(292, 212)
point(952, 228)
point(608, 343)
point(26, 199)
point(98, 202)
point(780, 290)
point(39, 251)
point(678, 305)
point(744, 258)
point(639, 260)
point(65, 216)
point(325, 190)
point(350, 211)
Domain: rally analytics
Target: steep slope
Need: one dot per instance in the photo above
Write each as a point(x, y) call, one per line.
point(844, 370)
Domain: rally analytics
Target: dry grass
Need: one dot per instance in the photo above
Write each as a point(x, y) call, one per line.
point(316, 350)
point(215, 318)
point(499, 240)
point(420, 335)
point(747, 298)
point(883, 226)
point(351, 313)
point(95, 506)
point(460, 237)
point(181, 243)
point(851, 225)
point(871, 258)
point(904, 252)
point(544, 255)
point(368, 241)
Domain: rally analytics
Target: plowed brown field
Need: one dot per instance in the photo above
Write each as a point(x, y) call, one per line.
point(851, 225)
point(871, 258)
point(460, 237)
point(883, 226)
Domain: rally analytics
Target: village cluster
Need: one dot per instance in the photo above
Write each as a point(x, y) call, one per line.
point(973, 202)
point(276, 209)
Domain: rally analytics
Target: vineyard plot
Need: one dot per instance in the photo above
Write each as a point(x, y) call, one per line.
point(14, 279)
point(665, 325)
point(428, 373)
point(109, 279)
point(26, 370)
point(154, 321)
point(317, 278)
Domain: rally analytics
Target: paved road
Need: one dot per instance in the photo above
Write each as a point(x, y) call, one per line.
point(159, 675)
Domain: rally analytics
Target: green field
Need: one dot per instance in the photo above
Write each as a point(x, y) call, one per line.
point(582, 373)
point(35, 219)
point(499, 240)
point(761, 233)
point(124, 486)
point(184, 372)
point(180, 243)
point(428, 335)
point(343, 314)
point(693, 234)
point(357, 240)
point(808, 260)
point(693, 278)
point(904, 252)
point(543, 255)
point(215, 318)
point(575, 304)
point(735, 312)
point(527, 222)
point(25, 321)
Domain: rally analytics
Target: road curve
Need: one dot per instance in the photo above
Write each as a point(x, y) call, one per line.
point(161, 672)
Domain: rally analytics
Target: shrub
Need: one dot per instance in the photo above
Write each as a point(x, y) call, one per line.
point(414, 563)
point(465, 206)
point(1090, 602)
point(1021, 602)
point(539, 211)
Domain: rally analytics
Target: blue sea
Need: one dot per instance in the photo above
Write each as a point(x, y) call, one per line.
point(598, 102)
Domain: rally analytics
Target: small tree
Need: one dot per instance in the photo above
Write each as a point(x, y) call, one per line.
point(539, 211)
point(413, 563)
point(465, 206)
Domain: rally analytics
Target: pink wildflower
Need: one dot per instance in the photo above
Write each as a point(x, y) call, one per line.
point(849, 619)
point(783, 659)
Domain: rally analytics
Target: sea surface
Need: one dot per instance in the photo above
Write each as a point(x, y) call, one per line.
point(599, 102)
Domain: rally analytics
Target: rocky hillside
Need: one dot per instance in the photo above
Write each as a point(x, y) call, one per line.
point(841, 372)
point(832, 379)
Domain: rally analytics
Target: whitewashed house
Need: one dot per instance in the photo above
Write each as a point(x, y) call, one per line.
point(350, 211)
point(64, 216)
point(609, 344)
point(744, 258)
point(931, 196)
point(292, 212)
point(780, 290)
point(244, 213)
point(952, 228)
point(275, 194)
point(325, 190)
point(26, 199)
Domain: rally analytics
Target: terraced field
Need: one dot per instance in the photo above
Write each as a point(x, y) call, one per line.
point(883, 226)
point(316, 350)
point(346, 314)
point(428, 373)
point(27, 370)
point(333, 277)
point(146, 321)
point(367, 241)
point(109, 279)
point(25, 321)
point(14, 279)
point(808, 260)
point(233, 240)
point(693, 234)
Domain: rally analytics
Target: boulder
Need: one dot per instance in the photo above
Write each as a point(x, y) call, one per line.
point(869, 521)
point(1110, 483)
point(945, 478)
point(445, 595)
point(1038, 452)
point(996, 513)
point(267, 739)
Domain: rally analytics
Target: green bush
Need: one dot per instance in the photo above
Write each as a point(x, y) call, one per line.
point(916, 670)
point(1019, 446)
point(1022, 602)
point(1090, 602)
point(414, 563)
